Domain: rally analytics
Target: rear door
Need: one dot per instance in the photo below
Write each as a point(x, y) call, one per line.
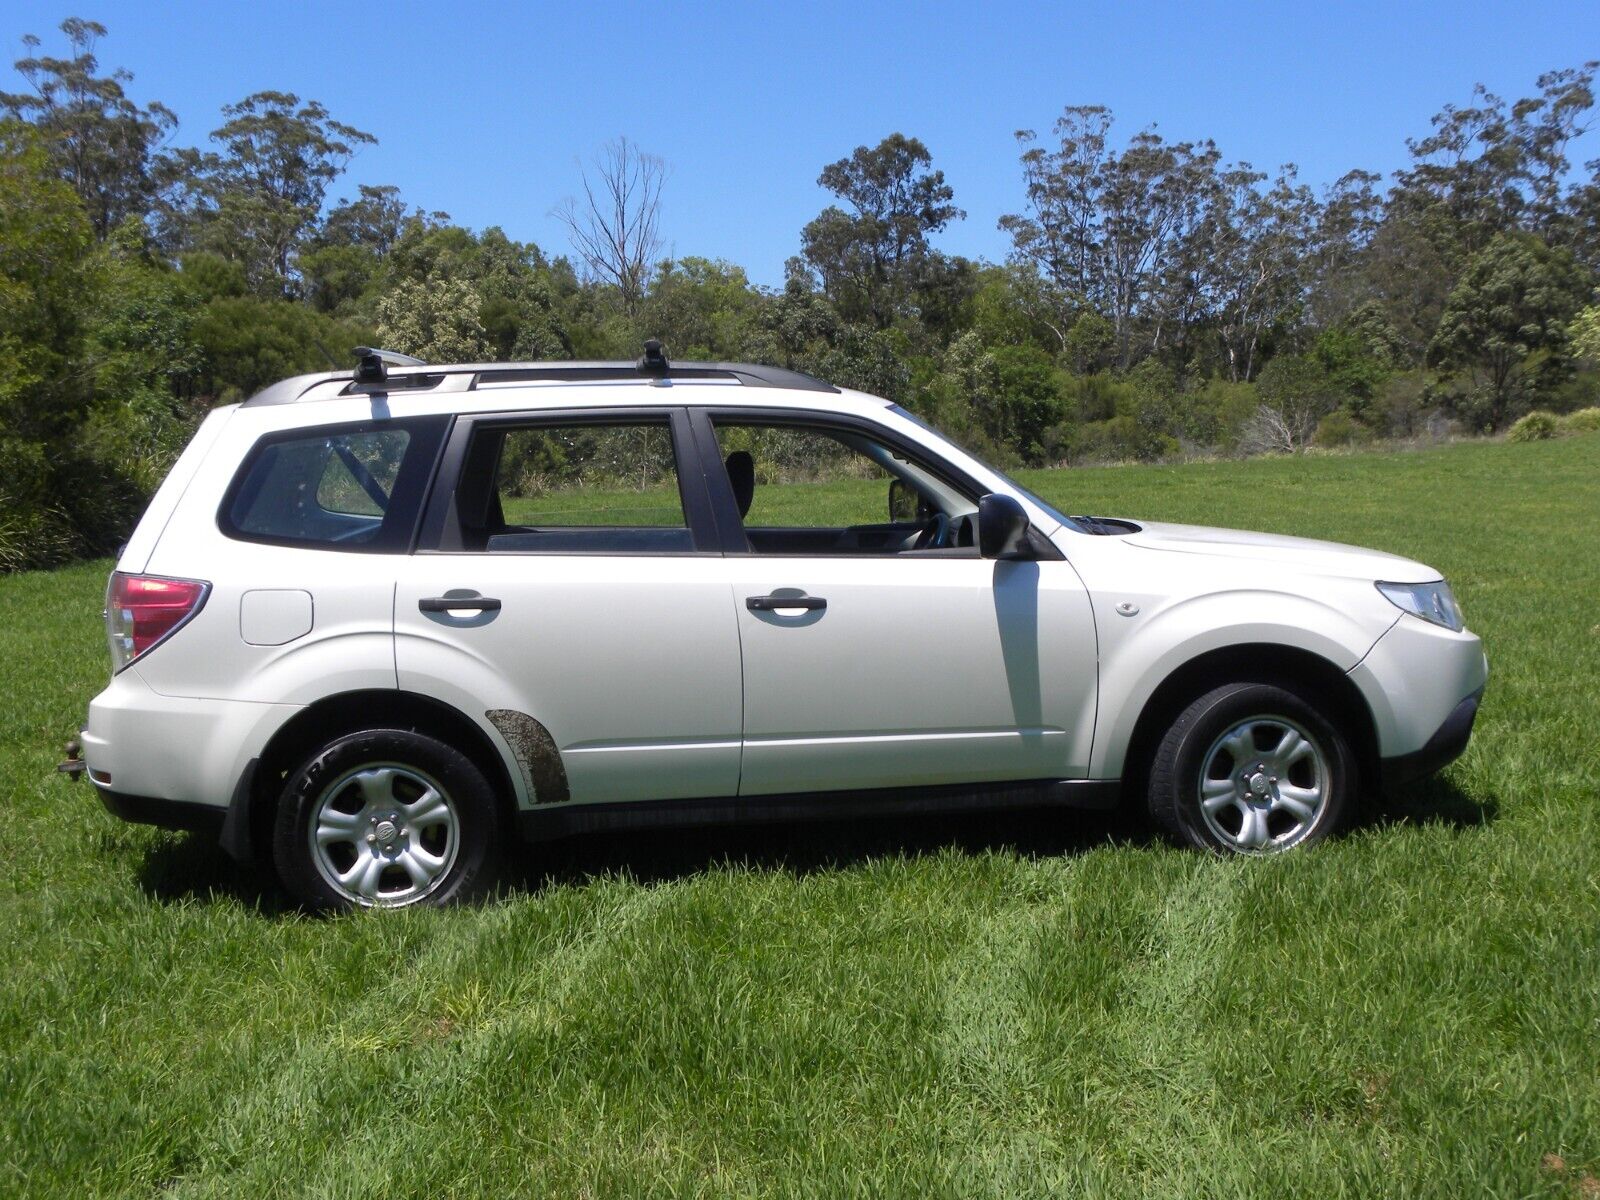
point(568, 591)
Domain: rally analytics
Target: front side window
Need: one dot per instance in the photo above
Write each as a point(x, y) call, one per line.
point(347, 489)
point(575, 488)
point(804, 489)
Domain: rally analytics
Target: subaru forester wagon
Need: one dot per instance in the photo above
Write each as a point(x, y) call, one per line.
point(376, 625)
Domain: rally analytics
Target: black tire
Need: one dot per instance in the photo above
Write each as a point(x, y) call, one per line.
point(353, 773)
point(1192, 755)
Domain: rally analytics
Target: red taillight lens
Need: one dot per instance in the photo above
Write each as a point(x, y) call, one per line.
point(143, 609)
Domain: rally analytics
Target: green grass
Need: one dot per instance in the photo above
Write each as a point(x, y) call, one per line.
point(833, 502)
point(1009, 1006)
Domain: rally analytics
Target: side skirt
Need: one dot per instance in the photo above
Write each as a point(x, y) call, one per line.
point(540, 824)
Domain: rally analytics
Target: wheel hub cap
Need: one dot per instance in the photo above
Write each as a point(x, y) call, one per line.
point(1263, 784)
point(384, 835)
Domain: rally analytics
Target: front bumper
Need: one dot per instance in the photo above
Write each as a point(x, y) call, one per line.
point(1443, 748)
point(1417, 681)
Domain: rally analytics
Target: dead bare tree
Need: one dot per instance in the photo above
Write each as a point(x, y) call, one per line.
point(615, 227)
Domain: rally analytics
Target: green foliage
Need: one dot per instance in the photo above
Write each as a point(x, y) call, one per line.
point(1339, 428)
point(1584, 334)
point(1090, 344)
point(256, 199)
point(1537, 426)
point(1295, 392)
point(706, 309)
point(870, 258)
point(1354, 367)
point(246, 343)
point(1505, 326)
point(1585, 420)
point(48, 280)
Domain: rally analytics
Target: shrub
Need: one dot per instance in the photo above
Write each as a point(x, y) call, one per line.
point(1121, 439)
point(1585, 420)
point(1537, 426)
point(1339, 428)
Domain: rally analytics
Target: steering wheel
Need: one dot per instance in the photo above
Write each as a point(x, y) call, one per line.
point(935, 534)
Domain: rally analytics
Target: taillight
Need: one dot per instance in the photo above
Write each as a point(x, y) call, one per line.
point(141, 610)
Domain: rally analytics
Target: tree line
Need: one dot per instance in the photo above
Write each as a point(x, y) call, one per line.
point(1157, 300)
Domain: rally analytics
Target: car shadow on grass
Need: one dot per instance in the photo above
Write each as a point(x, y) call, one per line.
point(1432, 801)
point(191, 866)
point(807, 847)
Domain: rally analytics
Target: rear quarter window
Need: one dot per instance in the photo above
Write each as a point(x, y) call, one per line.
point(353, 487)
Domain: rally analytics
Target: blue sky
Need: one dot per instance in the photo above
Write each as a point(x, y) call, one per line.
point(484, 110)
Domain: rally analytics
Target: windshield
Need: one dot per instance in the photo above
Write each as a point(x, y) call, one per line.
point(1015, 486)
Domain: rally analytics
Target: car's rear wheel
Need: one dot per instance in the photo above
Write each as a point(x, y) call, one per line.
point(1251, 768)
point(383, 819)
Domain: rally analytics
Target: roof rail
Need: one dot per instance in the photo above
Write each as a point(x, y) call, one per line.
point(408, 378)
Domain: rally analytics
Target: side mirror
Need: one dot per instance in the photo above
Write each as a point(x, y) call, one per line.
point(1002, 527)
point(905, 504)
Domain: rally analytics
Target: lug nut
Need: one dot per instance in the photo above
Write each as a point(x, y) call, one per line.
point(372, 839)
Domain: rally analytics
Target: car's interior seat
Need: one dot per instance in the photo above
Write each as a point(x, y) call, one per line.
point(741, 470)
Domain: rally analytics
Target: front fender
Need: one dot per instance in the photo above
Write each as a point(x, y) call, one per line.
point(1140, 653)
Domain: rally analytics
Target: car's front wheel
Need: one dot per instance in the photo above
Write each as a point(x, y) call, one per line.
point(383, 819)
point(1251, 768)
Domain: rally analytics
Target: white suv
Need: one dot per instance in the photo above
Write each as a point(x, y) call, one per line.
point(377, 623)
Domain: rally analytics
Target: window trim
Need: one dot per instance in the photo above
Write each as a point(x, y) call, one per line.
point(441, 524)
point(411, 483)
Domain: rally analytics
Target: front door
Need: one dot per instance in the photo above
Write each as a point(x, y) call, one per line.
point(904, 658)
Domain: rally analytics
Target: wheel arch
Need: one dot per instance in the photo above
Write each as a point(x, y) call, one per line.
point(1303, 671)
point(351, 712)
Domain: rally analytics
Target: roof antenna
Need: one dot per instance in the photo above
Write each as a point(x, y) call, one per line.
point(654, 363)
point(374, 365)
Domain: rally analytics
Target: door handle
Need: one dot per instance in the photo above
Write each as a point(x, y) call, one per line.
point(771, 603)
point(439, 604)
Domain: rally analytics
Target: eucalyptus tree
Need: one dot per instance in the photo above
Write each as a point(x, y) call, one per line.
point(1258, 245)
point(100, 142)
point(258, 197)
point(872, 257)
point(1106, 227)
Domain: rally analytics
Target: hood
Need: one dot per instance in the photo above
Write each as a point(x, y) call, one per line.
point(1306, 554)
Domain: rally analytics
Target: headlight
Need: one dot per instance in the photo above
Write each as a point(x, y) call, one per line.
point(1430, 601)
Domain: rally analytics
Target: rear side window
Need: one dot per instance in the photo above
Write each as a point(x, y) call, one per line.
point(345, 488)
point(579, 488)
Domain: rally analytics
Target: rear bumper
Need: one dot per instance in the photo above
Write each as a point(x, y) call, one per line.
point(1443, 748)
point(168, 814)
point(173, 750)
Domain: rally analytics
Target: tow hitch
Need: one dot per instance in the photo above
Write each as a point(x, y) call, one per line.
point(73, 767)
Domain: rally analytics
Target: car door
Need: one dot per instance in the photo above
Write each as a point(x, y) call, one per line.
point(568, 592)
point(893, 666)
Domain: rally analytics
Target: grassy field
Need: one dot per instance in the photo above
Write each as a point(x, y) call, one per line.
point(1048, 1005)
